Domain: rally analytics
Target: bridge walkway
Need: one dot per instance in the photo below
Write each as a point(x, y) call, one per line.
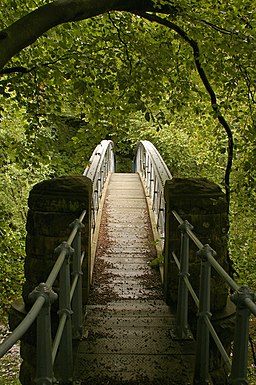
point(128, 329)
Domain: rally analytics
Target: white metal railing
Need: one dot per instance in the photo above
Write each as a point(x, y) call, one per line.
point(154, 172)
point(101, 164)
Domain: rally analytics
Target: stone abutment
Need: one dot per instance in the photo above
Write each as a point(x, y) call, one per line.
point(53, 205)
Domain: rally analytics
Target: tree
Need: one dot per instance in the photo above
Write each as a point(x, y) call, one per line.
point(169, 71)
point(17, 36)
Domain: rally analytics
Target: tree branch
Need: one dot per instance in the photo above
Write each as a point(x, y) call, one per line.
point(28, 29)
point(20, 69)
point(123, 42)
point(196, 51)
point(24, 70)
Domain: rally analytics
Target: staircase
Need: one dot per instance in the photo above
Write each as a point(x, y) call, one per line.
point(129, 331)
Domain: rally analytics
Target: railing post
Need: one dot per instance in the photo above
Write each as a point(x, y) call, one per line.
point(202, 349)
point(44, 364)
point(182, 302)
point(240, 352)
point(77, 302)
point(143, 163)
point(65, 355)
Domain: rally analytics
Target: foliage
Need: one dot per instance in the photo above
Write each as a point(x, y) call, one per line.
point(137, 82)
point(122, 77)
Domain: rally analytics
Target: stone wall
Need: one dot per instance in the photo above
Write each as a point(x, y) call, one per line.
point(53, 205)
point(203, 204)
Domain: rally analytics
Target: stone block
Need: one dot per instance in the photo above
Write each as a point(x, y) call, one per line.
point(69, 194)
point(202, 204)
point(42, 247)
point(49, 224)
point(53, 205)
point(28, 353)
point(27, 373)
point(37, 270)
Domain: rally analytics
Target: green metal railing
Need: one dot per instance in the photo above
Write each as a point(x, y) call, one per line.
point(242, 297)
point(70, 294)
point(70, 312)
point(154, 172)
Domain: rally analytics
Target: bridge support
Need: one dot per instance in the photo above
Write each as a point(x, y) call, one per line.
point(53, 205)
point(203, 204)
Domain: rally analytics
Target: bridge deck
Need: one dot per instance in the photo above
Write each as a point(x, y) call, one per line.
point(127, 337)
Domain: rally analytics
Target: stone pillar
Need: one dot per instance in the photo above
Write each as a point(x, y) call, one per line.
point(53, 205)
point(203, 204)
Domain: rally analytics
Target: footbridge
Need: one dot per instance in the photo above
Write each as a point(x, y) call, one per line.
point(138, 291)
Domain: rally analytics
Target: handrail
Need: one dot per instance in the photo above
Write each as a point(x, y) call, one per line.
point(214, 263)
point(243, 298)
point(43, 296)
point(101, 164)
point(154, 172)
point(21, 329)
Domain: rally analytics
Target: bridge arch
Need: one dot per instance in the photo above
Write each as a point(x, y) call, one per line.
point(193, 198)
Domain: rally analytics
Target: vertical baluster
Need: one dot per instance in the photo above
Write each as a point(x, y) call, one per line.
point(152, 189)
point(154, 196)
point(77, 306)
point(162, 218)
point(159, 212)
point(202, 349)
point(156, 199)
point(107, 163)
point(147, 173)
point(150, 182)
point(98, 191)
point(65, 356)
point(144, 166)
point(140, 161)
point(167, 253)
point(112, 161)
point(182, 306)
point(44, 365)
point(240, 352)
point(95, 202)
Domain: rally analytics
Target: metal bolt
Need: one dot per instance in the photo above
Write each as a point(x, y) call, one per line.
point(205, 251)
point(42, 290)
point(243, 293)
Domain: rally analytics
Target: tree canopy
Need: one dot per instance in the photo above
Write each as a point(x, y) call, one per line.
point(179, 73)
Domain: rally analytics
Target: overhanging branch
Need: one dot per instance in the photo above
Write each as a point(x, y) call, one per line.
point(196, 52)
point(29, 28)
point(16, 69)
point(123, 42)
